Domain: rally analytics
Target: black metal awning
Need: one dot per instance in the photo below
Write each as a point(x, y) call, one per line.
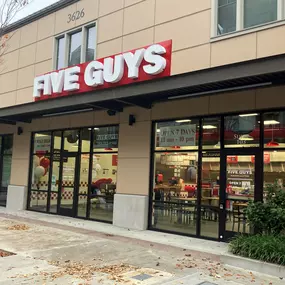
point(245, 75)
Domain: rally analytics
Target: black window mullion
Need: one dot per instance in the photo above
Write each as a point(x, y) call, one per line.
point(77, 175)
point(261, 159)
point(199, 182)
point(50, 171)
point(31, 170)
point(60, 172)
point(90, 174)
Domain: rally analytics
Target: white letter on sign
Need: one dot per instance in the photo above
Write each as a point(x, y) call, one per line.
point(38, 86)
point(157, 62)
point(57, 81)
point(47, 85)
point(133, 62)
point(94, 74)
point(71, 79)
point(113, 74)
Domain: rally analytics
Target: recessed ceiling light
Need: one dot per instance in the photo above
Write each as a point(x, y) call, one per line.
point(183, 121)
point(209, 127)
point(271, 122)
point(248, 115)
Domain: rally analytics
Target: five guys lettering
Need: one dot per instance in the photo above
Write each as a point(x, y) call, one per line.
point(143, 64)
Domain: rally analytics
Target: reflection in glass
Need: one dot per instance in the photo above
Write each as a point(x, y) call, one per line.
point(6, 168)
point(274, 169)
point(42, 143)
point(71, 140)
point(226, 16)
point(83, 185)
point(240, 185)
point(75, 49)
point(54, 183)
point(177, 135)
point(91, 43)
point(86, 139)
point(82, 206)
point(175, 192)
point(242, 130)
point(68, 179)
point(38, 201)
point(274, 129)
point(210, 193)
point(103, 188)
point(106, 139)
point(211, 133)
point(60, 53)
point(258, 12)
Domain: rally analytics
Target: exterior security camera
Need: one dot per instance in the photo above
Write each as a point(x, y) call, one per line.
point(111, 113)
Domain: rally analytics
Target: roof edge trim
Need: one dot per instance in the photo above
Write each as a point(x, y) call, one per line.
point(38, 15)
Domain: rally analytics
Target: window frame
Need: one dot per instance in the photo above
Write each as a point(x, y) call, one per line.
point(67, 36)
point(240, 18)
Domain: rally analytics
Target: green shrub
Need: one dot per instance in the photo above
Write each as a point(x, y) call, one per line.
point(266, 248)
point(268, 217)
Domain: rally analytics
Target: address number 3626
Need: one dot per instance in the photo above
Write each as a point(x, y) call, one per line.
point(76, 16)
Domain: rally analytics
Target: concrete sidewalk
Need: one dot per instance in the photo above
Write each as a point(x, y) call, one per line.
point(194, 244)
point(199, 248)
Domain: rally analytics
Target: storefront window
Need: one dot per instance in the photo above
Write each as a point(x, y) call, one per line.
point(211, 133)
point(6, 146)
point(106, 139)
point(75, 42)
point(210, 194)
point(274, 129)
point(177, 135)
point(175, 192)
point(42, 143)
point(61, 173)
point(103, 188)
point(71, 140)
point(85, 135)
point(83, 185)
point(242, 130)
point(274, 169)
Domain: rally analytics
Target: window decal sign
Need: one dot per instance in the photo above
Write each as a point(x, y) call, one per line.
point(177, 135)
point(150, 62)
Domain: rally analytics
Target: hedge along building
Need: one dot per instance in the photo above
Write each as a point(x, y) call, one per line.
point(145, 114)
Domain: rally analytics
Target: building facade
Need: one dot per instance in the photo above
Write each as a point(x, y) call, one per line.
point(175, 125)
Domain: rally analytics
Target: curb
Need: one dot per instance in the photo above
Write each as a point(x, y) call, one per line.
point(253, 265)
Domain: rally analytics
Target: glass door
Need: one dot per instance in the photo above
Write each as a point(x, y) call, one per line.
point(69, 185)
point(240, 184)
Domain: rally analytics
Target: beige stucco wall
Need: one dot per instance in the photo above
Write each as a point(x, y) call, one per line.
point(127, 24)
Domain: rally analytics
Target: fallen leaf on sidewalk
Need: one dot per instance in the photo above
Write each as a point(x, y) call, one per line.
point(19, 228)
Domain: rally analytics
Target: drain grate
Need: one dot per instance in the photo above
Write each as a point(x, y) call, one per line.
point(207, 283)
point(142, 277)
point(4, 253)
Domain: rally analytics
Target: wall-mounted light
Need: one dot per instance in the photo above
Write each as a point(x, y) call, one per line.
point(20, 131)
point(132, 120)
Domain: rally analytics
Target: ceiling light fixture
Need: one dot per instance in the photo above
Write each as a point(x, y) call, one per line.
point(183, 121)
point(209, 127)
point(271, 122)
point(248, 115)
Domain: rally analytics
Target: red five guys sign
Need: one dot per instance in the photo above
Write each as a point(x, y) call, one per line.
point(153, 61)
